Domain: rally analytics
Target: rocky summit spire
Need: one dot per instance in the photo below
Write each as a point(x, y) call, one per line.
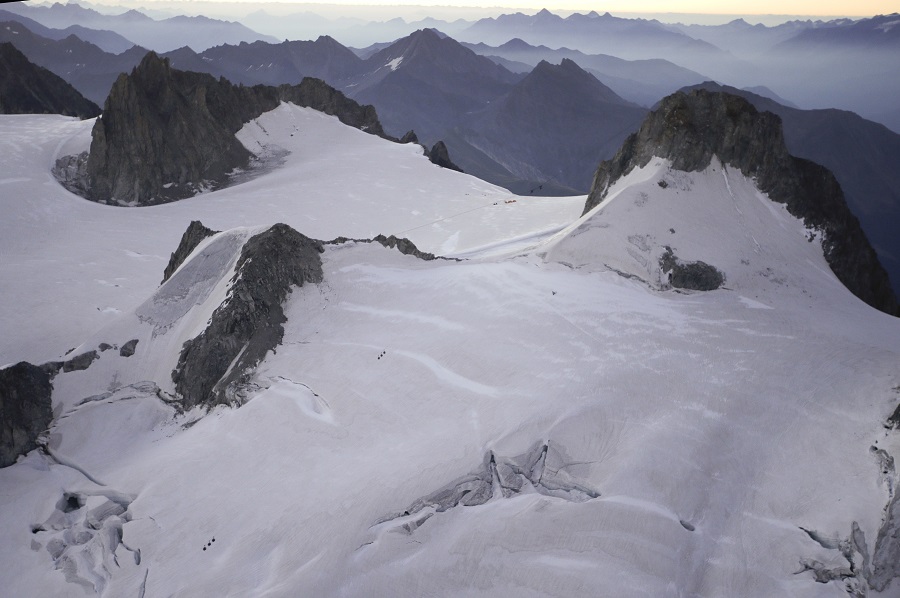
point(689, 129)
point(165, 134)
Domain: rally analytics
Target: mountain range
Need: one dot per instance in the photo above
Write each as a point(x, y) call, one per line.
point(161, 35)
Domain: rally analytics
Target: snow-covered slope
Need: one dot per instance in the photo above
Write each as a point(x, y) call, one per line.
point(546, 418)
point(71, 266)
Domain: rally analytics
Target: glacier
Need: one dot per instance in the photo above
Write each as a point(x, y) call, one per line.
point(721, 443)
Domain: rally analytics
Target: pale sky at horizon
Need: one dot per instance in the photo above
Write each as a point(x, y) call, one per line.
point(711, 7)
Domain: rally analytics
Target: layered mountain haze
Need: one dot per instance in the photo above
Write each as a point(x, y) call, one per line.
point(86, 67)
point(198, 32)
point(640, 81)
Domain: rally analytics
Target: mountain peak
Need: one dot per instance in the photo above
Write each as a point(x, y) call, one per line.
point(690, 129)
point(568, 75)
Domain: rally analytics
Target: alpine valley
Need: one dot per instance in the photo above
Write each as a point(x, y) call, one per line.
point(489, 317)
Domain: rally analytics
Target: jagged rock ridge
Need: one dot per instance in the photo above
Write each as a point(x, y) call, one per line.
point(165, 134)
point(214, 366)
point(26, 88)
point(25, 409)
point(689, 129)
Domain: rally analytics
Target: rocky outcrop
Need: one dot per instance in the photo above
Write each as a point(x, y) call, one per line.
point(215, 367)
point(192, 237)
point(689, 129)
point(25, 409)
point(26, 88)
point(80, 362)
point(691, 276)
point(440, 155)
point(128, 348)
point(404, 246)
point(401, 244)
point(166, 134)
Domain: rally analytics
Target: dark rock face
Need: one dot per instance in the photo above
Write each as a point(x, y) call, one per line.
point(440, 155)
point(894, 420)
point(410, 137)
point(165, 134)
point(214, 366)
point(195, 233)
point(80, 362)
point(692, 276)
point(404, 246)
point(128, 348)
point(25, 409)
point(689, 129)
point(26, 88)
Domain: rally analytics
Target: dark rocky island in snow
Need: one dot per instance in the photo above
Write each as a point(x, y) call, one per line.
point(166, 134)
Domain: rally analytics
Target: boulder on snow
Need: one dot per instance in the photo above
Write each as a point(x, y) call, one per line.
point(691, 276)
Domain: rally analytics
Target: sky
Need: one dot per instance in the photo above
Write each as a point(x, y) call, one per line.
point(480, 8)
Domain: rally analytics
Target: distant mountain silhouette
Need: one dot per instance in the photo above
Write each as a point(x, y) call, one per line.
point(26, 88)
point(108, 41)
point(287, 62)
point(552, 127)
point(86, 67)
point(592, 33)
point(428, 83)
point(641, 81)
point(199, 33)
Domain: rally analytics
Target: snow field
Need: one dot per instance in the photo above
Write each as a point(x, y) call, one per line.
point(396, 376)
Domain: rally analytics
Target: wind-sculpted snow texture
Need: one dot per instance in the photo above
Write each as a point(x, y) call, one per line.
point(215, 365)
point(691, 129)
